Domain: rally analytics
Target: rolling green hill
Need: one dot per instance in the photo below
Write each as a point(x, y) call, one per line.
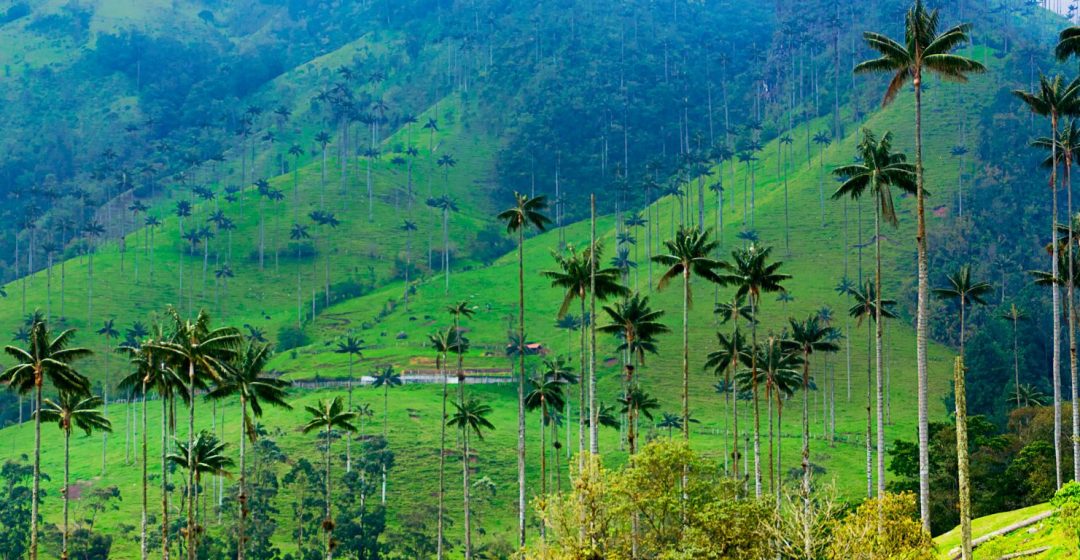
point(135, 276)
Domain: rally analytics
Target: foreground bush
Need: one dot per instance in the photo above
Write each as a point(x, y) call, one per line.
point(884, 527)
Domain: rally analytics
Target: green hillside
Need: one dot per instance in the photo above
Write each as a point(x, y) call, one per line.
point(305, 289)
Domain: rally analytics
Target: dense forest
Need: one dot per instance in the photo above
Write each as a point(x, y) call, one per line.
point(565, 279)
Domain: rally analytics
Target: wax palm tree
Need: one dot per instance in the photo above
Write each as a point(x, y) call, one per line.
point(203, 353)
point(471, 417)
point(151, 373)
point(823, 139)
point(107, 330)
point(809, 337)
point(576, 277)
point(752, 275)
point(46, 358)
point(299, 233)
point(443, 342)
point(200, 455)
point(385, 378)
point(559, 370)
point(445, 205)
point(670, 421)
point(1015, 315)
point(328, 416)
point(248, 380)
point(732, 311)
point(924, 51)
point(1054, 99)
point(689, 254)
point(546, 395)
point(354, 348)
point(527, 212)
point(965, 291)
point(1028, 395)
point(876, 172)
point(73, 410)
point(779, 371)
point(636, 325)
point(636, 402)
point(408, 227)
point(871, 307)
point(323, 140)
point(458, 310)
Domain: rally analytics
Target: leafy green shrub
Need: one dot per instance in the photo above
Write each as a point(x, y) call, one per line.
point(291, 337)
point(1067, 503)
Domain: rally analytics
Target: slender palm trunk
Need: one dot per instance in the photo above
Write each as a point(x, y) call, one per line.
point(921, 314)
point(686, 354)
point(1074, 378)
point(241, 541)
point(521, 399)
point(1056, 307)
point(191, 530)
point(757, 408)
point(806, 455)
point(64, 491)
point(869, 414)
point(467, 498)
point(594, 412)
point(962, 458)
point(35, 494)
point(440, 364)
point(328, 524)
point(878, 356)
point(164, 477)
point(1016, 363)
point(143, 550)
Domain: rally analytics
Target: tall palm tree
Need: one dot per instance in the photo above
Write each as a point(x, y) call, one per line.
point(354, 348)
point(962, 289)
point(458, 310)
point(726, 359)
point(577, 278)
point(752, 275)
point(329, 415)
point(924, 51)
point(870, 306)
point(965, 291)
point(877, 171)
point(1068, 145)
point(445, 205)
point(248, 380)
point(45, 358)
point(408, 227)
point(546, 395)
point(152, 373)
point(1054, 99)
point(808, 337)
point(689, 254)
point(443, 342)
point(202, 454)
point(823, 139)
point(471, 418)
point(385, 378)
point(299, 233)
point(525, 213)
point(636, 325)
point(107, 330)
point(73, 410)
point(1015, 315)
point(203, 353)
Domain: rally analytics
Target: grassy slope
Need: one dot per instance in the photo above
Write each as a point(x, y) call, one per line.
point(1044, 533)
point(268, 300)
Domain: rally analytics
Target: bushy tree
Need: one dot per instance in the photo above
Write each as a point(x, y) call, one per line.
point(882, 527)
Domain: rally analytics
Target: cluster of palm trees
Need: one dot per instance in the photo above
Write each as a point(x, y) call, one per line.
point(176, 362)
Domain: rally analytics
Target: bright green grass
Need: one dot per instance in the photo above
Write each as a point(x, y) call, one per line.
point(1044, 533)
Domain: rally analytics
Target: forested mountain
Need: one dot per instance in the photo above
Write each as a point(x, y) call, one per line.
point(327, 178)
